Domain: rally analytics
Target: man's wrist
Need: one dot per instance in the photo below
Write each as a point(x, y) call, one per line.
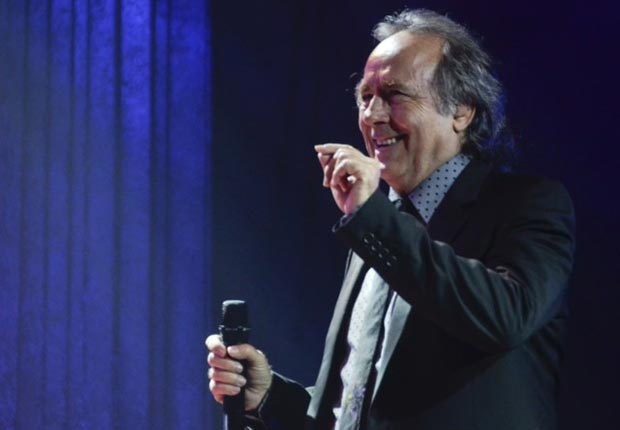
point(263, 401)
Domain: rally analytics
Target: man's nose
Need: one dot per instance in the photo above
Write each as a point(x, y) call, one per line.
point(377, 110)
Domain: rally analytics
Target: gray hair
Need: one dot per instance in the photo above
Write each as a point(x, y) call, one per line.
point(462, 77)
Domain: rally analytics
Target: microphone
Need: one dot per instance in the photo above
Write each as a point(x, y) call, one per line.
point(235, 330)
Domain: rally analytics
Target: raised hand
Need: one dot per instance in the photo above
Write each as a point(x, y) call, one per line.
point(352, 176)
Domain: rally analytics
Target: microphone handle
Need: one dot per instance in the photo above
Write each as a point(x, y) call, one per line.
point(234, 406)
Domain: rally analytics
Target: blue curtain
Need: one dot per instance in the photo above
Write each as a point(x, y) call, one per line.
point(104, 214)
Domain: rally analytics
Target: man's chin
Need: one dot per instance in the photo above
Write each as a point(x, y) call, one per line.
point(389, 178)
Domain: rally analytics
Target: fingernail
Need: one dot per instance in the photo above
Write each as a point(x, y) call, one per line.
point(242, 380)
point(239, 368)
point(233, 349)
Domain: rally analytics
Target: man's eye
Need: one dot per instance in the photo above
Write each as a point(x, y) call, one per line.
point(394, 93)
point(364, 99)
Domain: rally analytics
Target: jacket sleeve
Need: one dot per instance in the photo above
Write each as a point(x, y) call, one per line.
point(494, 303)
point(285, 406)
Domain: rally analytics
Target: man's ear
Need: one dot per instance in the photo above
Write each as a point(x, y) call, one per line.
point(463, 116)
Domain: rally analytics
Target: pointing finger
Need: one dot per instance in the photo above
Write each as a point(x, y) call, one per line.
point(328, 167)
point(330, 148)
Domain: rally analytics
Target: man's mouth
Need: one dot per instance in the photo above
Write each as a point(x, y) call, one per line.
point(389, 141)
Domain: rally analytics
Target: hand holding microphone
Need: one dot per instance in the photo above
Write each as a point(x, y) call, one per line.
point(228, 376)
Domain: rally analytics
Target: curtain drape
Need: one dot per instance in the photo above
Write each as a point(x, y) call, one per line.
point(104, 213)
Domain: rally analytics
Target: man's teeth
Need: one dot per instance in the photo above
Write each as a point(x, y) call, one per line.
point(387, 142)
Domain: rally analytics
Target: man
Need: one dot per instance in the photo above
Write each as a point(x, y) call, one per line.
point(450, 316)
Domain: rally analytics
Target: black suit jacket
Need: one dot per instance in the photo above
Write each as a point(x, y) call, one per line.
point(476, 336)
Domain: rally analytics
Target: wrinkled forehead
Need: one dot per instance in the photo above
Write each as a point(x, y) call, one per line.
point(403, 57)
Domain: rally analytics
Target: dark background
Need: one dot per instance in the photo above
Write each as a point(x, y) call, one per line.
point(283, 78)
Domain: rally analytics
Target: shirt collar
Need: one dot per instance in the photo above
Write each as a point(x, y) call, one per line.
point(427, 196)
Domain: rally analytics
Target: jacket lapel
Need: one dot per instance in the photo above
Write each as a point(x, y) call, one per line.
point(399, 318)
point(353, 273)
point(453, 210)
point(444, 226)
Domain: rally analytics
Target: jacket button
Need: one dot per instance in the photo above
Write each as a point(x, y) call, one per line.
point(367, 238)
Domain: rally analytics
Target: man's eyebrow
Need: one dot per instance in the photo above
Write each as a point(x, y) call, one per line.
point(388, 85)
point(394, 85)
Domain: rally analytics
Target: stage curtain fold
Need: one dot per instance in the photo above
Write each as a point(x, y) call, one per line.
point(105, 214)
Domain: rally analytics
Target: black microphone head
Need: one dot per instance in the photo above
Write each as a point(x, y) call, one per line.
point(234, 313)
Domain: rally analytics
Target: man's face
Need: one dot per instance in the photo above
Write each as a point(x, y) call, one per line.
point(398, 116)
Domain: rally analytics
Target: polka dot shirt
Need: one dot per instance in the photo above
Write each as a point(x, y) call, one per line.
point(429, 194)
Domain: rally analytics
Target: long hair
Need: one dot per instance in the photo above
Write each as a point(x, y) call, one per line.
point(463, 76)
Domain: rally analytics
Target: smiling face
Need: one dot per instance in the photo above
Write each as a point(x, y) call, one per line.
point(398, 116)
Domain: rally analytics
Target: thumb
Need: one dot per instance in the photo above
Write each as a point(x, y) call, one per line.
point(244, 352)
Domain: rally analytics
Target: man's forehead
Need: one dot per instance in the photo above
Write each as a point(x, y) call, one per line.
point(404, 53)
point(405, 41)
